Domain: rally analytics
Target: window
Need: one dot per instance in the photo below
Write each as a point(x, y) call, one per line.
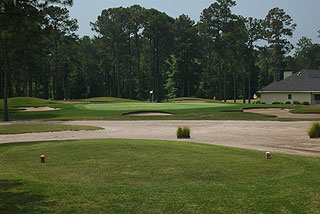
point(289, 96)
point(317, 96)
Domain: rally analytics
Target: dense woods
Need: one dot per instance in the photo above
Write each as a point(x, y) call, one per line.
point(138, 50)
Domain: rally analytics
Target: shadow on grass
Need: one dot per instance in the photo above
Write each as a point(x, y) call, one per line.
point(14, 201)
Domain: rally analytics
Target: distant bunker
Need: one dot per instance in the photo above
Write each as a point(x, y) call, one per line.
point(148, 113)
point(38, 109)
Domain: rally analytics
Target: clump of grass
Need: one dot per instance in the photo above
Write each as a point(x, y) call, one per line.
point(314, 131)
point(183, 132)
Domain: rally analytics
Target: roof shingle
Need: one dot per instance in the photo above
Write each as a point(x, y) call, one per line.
point(302, 81)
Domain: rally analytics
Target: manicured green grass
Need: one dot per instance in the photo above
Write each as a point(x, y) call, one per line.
point(42, 127)
point(107, 100)
point(118, 110)
point(139, 176)
point(140, 106)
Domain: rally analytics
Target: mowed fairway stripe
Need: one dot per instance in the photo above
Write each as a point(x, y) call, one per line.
point(148, 106)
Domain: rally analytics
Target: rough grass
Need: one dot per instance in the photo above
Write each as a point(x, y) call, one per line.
point(314, 130)
point(307, 110)
point(42, 127)
point(139, 176)
point(183, 132)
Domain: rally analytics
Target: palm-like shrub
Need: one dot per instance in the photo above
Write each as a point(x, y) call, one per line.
point(183, 132)
point(314, 131)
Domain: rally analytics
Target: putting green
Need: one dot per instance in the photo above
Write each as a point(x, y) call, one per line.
point(148, 106)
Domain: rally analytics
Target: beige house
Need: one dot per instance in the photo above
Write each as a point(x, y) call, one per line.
point(303, 86)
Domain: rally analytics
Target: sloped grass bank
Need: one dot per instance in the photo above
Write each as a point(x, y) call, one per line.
point(139, 176)
point(42, 127)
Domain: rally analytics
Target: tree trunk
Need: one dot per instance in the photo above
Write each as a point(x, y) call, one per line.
point(243, 85)
point(18, 89)
point(234, 88)
point(225, 74)
point(113, 73)
point(5, 84)
point(56, 70)
point(1, 82)
point(118, 71)
point(151, 88)
point(251, 65)
point(30, 82)
point(138, 67)
point(157, 71)
point(130, 70)
point(219, 72)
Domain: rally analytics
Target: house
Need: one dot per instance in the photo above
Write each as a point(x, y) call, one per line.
point(303, 86)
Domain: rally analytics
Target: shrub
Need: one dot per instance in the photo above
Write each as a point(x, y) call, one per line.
point(305, 103)
point(277, 103)
point(314, 131)
point(288, 102)
point(257, 102)
point(183, 132)
point(296, 102)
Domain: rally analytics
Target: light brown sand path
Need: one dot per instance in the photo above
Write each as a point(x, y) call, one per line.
point(274, 136)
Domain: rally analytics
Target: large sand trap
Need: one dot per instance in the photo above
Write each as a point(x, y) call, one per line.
point(273, 136)
point(282, 113)
point(38, 109)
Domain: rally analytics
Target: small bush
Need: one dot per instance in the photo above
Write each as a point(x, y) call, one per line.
point(314, 131)
point(277, 103)
point(183, 132)
point(296, 102)
point(305, 103)
point(257, 102)
point(288, 102)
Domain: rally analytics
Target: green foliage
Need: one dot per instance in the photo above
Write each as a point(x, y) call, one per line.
point(277, 103)
point(305, 103)
point(296, 102)
point(183, 132)
point(288, 102)
point(314, 130)
point(140, 50)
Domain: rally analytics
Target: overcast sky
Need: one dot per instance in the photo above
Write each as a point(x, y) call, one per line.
point(305, 13)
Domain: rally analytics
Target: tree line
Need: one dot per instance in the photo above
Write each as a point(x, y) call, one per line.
point(138, 50)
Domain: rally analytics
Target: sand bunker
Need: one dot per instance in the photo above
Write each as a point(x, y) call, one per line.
point(149, 114)
point(281, 113)
point(38, 109)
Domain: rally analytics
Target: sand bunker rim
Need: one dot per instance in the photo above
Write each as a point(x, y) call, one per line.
point(148, 113)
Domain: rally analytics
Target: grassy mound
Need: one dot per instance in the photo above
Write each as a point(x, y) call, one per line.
point(190, 99)
point(138, 176)
point(26, 102)
point(108, 100)
point(42, 127)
